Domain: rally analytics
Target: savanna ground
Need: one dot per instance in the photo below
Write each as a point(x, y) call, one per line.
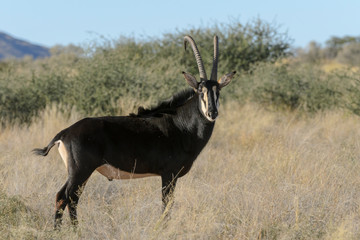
point(263, 175)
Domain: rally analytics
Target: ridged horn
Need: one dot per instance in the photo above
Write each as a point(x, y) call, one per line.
point(199, 61)
point(215, 59)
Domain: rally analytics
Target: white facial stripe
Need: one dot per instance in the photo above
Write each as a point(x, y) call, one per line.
point(204, 103)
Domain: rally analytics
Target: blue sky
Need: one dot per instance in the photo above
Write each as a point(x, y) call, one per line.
point(79, 21)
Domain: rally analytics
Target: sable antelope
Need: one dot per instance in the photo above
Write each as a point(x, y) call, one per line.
point(161, 141)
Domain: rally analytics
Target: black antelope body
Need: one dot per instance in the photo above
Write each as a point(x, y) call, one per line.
point(162, 141)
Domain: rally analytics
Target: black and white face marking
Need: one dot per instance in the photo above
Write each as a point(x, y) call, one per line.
point(209, 99)
point(209, 92)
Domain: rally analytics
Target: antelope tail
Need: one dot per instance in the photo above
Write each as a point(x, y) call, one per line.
point(44, 151)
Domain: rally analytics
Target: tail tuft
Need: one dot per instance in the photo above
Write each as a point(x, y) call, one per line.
point(41, 151)
point(44, 151)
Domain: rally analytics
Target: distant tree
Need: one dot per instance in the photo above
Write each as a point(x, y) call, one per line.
point(68, 49)
point(312, 53)
point(240, 44)
point(335, 44)
point(350, 54)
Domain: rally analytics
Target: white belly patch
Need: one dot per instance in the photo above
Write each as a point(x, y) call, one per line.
point(63, 152)
point(114, 173)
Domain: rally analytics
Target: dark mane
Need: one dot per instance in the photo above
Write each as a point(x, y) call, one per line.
point(168, 106)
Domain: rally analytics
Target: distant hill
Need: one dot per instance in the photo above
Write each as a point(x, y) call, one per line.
point(11, 47)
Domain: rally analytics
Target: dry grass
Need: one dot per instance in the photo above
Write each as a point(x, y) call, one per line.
point(264, 175)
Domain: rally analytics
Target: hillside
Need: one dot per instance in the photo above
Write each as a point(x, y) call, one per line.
point(11, 47)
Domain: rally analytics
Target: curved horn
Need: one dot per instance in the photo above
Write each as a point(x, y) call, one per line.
point(197, 56)
point(215, 59)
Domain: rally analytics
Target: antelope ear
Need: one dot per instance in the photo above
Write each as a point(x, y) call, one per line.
point(226, 79)
point(191, 80)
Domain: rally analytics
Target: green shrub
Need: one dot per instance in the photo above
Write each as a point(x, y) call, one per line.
point(100, 79)
point(20, 105)
point(306, 88)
